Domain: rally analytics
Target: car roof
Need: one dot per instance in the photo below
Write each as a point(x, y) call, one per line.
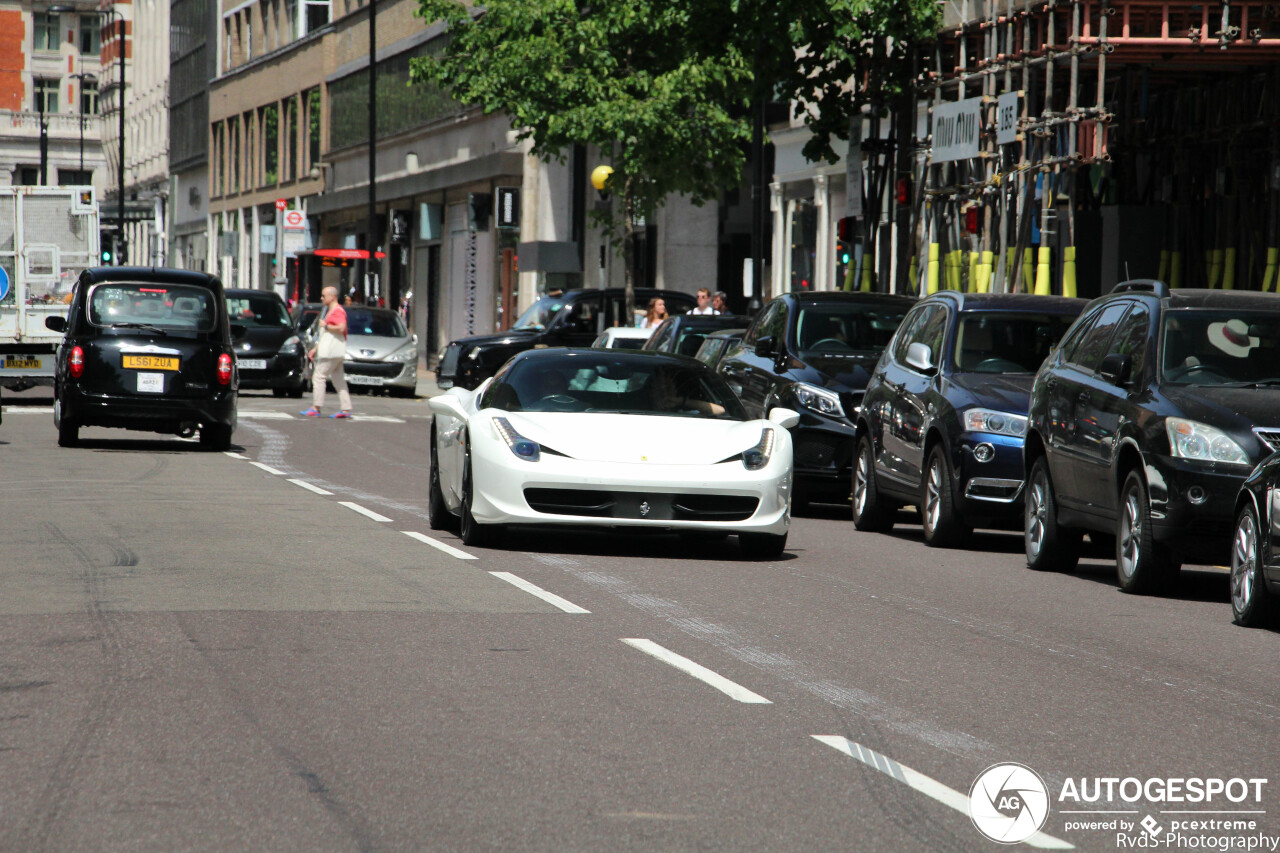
point(95, 275)
point(618, 291)
point(250, 291)
point(1198, 298)
point(806, 297)
point(1010, 302)
point(603, 354)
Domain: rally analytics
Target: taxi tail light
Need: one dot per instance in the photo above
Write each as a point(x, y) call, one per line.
point(224, 369)
point(75, 362)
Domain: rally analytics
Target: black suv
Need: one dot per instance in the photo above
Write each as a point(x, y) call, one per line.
point(270, 355)
point(944, 416)
point(1144, 424)
point(571, 319)
point(814, 353)
point(146, 349)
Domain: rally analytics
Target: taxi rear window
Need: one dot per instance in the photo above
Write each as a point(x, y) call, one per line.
point(164, 306)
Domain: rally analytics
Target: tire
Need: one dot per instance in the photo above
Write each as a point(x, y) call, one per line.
point(871, 513)
point(762, 546)
point(404, 393)
point(1049, 547)
point(215, 436)
point(68, 433)
point(296, 393)
point(279, 392)
point(471, 531)
point(943, 526)
point(1252, 604)
point(438, 516)
point(1142, 564)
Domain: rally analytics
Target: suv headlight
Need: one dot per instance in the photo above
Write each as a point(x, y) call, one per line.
point(819, 400)
point(405, 355)
point(1000, 423)
point(758, 457)
point(1194, 440)
point(526, 448)
point(291, 346)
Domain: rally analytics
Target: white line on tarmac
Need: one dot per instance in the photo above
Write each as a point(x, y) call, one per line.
point(698, 671)
point(265, 467)
point(266, 416)
point(380, 419)
point(365, 512)
point(234, 455)
point(931, 788)
point(549, 597)
point(310, 488)
point(32, 410)
point(435, 543)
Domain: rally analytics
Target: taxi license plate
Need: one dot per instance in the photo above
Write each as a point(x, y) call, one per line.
point(364, 380)
point(21, 362)
point(150, 362)
point(252, 363)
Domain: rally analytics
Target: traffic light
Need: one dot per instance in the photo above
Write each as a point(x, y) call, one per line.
point(845, 228)
point(106, 241)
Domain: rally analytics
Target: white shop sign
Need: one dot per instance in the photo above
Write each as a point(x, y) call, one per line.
point(955, 129)
point(1007, 118)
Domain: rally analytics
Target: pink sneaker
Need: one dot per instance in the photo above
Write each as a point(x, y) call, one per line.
point(312, 412)
point(340, 415)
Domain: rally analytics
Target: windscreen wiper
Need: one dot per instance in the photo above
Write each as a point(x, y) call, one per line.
point(147, 326)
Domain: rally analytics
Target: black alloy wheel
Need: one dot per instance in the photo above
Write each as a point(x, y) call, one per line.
point(1252, 604)
point(1050, 547)
point(943, 526)
point(1143, 565)
point(871, 512)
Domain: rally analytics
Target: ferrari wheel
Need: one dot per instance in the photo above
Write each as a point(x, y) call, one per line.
point(471, 531)
point(438, 515)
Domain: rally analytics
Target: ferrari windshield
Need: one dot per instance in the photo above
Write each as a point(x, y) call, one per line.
point(540, 314)
point(1237, 347)
point(612, 381)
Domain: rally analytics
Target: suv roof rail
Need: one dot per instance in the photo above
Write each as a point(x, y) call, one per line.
point(1149, 285)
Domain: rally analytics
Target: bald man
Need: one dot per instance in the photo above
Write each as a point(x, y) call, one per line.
point(328, 354)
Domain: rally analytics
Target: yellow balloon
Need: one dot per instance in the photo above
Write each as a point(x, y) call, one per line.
point(600, 176)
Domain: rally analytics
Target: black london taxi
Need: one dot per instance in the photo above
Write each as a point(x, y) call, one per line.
point(146, 349)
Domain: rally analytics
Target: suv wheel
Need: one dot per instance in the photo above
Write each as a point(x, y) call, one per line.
point(1142, 564)
point(871, 512)
point(943, 526)
point(1252, 604)
point(1050, 548)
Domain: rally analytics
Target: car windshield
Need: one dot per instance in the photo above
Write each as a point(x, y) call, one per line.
point(159, 306)
point(610, 381)
point(264, 311)
point(621, 342)
point(540, 314)
point(382, 324)
point(992, 342)
point(1239, 347)
point(842, 328)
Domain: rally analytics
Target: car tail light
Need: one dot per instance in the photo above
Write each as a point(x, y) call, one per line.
point(224, 369)
point(75, 362)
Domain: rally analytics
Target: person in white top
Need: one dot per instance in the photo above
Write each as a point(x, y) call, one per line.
point(704, 303)
point(656, 314)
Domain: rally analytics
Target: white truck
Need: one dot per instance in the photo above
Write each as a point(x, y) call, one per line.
point(48, 235)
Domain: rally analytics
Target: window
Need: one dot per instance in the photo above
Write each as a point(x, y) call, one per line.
point(1131, 339)
point(75, 177)
point(27, 176)
point(233, 155)
point(90, 35)
point(764, 321)
point(926, 328)
point(46, 95)
point(269, 117)
point(317, 15)
point(226, 41)
point(1091, 346)
point(89, 97)
point(46, 31)
point(250, 151)
point(313, 126)
point(248, 33)
point(290, 24)
point(291, 122)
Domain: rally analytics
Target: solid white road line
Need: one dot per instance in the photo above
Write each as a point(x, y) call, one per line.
point(28, 410)
point(267, 468)
point(931, 788)
point(265, 415)
point(365, 512)
point(310, 488)
point(234, 455)
point(549, 597)
point(698, 671)
point(380, 419)
point(435, 543)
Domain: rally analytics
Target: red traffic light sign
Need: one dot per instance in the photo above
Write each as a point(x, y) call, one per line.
point(281, 204)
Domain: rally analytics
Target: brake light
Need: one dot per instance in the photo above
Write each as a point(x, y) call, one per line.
point(75, 362)
point(224, 369)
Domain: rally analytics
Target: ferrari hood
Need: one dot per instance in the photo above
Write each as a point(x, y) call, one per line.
point(642, 439)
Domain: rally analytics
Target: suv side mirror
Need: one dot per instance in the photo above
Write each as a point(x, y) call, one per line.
point(55, 323)
point(920, 357)
point(1115, 368)
point(764, 346)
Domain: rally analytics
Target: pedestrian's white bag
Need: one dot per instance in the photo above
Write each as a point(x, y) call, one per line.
point(329, 345)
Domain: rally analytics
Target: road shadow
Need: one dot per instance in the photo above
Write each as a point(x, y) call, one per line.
point(588, 542)
point(147, 445)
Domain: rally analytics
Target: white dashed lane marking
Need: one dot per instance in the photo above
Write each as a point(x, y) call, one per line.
point(549, 597)
point(435, 543)
point(368, 513)
point(265, 467)
point(698, 671)
point(310, 488)
point(234, 455)
point(931, 788)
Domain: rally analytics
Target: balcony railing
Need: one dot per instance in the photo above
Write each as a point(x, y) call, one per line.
point(14, 123)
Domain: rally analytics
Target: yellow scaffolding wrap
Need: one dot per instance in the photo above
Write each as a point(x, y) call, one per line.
point(1213, 266)
point(1229, 269)
point(931, 270)
point(913, 270)
point(866, 275)
point(1028, 270)
point(984, 272)
point(1163, 274)
point(1175, 269)
point(973, 273)
point(1043, 286)
point(1269, 274)
point(1069, 271)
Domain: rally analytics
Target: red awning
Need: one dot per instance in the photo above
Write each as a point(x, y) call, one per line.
point(347, 254)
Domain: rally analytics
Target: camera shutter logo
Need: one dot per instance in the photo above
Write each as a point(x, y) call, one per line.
point(1008, 803)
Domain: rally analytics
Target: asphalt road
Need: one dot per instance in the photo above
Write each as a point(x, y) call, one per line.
point(259, 651)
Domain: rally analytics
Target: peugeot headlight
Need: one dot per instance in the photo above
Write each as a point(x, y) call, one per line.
point(819, 400)
point(291, 346)
point(1000, 423)
point(1194, 440)
point(758, 457)
point(527, 449)
point(407, 354)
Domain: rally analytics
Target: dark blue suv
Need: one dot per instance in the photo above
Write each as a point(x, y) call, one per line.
point(945, 413)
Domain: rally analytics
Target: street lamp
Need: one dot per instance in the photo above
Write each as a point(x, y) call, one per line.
point(83, 77)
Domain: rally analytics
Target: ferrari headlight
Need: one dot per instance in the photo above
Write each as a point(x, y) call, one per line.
point(526, 449)
point(758, 456)
point(407, 354)
point(1000, 423)
point(1194, 440)
point(819, 400)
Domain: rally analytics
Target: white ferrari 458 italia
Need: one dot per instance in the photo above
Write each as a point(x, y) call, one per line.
point(610, 438)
